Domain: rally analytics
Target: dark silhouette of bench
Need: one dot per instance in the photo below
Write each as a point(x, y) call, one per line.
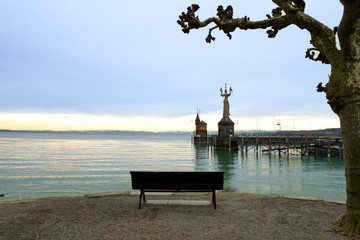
point(177, 182)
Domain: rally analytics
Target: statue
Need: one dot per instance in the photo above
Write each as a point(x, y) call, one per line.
point(226, 110)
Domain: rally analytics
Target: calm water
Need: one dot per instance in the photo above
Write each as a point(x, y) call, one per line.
point(36, 165)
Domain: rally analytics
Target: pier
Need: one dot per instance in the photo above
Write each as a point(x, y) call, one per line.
point(299, 145)
point(290, 142)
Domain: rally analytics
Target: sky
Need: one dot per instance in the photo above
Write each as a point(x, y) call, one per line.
point(126, 65)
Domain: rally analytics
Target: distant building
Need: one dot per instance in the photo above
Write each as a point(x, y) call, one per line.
point(200, 126)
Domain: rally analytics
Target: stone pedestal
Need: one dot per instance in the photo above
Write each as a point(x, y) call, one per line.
point(225, 128)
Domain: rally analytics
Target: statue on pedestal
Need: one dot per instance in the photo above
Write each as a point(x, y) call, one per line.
point(226, 110)
point(226, 125)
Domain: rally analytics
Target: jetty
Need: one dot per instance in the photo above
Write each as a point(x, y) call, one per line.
point(303, 143)
point(299, 145)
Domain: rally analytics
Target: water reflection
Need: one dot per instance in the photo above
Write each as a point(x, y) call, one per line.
point(227, 161)
point(275, 174)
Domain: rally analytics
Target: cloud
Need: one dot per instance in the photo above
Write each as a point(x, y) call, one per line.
point(132, 59)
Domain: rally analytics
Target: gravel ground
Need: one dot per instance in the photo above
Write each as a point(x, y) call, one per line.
point(239, 216)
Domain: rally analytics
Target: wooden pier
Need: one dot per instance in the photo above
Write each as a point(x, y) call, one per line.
point(301, 145)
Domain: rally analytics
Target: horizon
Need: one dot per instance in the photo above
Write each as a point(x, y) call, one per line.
point(75, 122)
point(139, 131)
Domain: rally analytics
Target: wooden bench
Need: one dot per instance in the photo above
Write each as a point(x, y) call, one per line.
point(177, 182)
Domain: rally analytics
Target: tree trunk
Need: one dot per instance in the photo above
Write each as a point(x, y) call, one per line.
point(349, 223)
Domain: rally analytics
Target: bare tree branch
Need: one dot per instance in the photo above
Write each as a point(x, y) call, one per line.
point(227, 24)
point(320, 88)
point(288, 12)
point(323, 37)
point(315, 55)
point(210, 38)
point(291, 6)
point(311, 54)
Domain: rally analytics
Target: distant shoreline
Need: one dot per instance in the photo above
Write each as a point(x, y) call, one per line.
point(94, 131)
point(332, 131)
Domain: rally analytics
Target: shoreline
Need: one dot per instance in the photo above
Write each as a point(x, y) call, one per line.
point(116, 216)
point(136, 193)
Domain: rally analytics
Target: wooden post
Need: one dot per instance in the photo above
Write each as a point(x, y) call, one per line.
point(257, 144)
point(246, 144)
point(242, 143)
point(307, 146)
point(287, 145)
point(270, 145)
point(329, 148)
point(279, 144)
point(229, 142)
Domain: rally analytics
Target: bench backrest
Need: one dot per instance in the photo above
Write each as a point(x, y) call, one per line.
point(177, 180)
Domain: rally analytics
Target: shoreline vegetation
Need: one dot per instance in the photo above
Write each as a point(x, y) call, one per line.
point(116, 216)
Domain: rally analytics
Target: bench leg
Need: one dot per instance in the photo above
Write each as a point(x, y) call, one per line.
point(214, 199)
point(141, 194)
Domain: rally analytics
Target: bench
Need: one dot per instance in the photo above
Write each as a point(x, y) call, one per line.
point(147, 181)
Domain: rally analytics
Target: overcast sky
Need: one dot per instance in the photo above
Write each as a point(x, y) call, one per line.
point(130, 60)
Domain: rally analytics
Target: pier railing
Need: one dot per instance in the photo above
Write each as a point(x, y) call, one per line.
point(304, 145)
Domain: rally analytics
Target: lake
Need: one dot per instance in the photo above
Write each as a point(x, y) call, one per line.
point(43, 164)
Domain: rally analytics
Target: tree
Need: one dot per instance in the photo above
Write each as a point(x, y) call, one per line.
point(342, 89)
